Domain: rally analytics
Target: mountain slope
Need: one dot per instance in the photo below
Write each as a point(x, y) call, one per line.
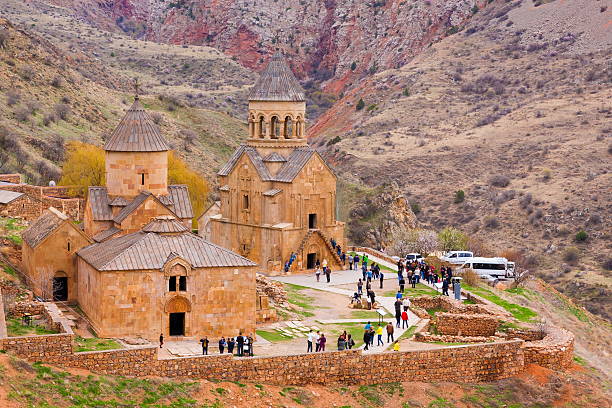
point(517, 119)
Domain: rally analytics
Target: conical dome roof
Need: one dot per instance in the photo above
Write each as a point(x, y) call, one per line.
point(136, 133)
point(277, 83)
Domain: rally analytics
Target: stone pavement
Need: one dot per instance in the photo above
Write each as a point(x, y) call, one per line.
point(345, 277)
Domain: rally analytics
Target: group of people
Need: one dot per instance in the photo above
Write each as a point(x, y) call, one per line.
point(318, 340)
point(420, 270)
point(241, 343)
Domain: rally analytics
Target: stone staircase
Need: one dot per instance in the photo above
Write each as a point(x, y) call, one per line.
point(324, 238)
point(329, 246)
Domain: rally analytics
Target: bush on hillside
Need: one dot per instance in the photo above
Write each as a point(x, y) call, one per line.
point(27, 72)
point(22, 113)
point(607, 264)
point(57, 82)
point(12, 97)
point(581, 236)
point(62, 111)
point(360, 104)
point(55, 149)
point(571, 255)
point(4, 37)
point(451, 239)
point(459, 196)
point(499, 180)
point(491, 221)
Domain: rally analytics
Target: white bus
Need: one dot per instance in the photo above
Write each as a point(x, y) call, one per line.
point(499, 268)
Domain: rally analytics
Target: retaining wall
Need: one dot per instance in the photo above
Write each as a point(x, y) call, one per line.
point(466, 324)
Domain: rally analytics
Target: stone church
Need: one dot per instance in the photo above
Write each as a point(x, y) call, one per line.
point(136, 269)
point(277, 195)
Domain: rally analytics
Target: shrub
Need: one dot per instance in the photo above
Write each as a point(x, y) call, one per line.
point(55, 149)
point(571, 255)
point(57, 82)
point(451, 239)
point(157, 118)
point(546, 174)
point(27, 72)
point(525, 200)
point(415, 207)
point(360, 104)
point(333, 141)
point(49, 118)
point(470, 277)
point(22, 113)
point(607, 264)
point(47, 171)
point(12, 97)
point(459, 196)
point(490, 221)
point(4, 37)
point(62, 111)
point(581, 236)
point(353, 66)
point(499, 180)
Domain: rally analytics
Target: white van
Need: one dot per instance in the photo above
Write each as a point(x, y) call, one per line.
point(489, 267)
point(414, 257)
point(457, 257)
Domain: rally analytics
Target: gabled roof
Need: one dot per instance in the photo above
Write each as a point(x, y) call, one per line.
point(106, 234)
point(9, 196)
point(277, 83)
point(286, 174)
point(274, 158)
point(132, 206)
point(165, 225)
point(45, 225)
point(148, 250)
point(136, 133)
point(119, 202)
point(181, 203)
point(99, 203)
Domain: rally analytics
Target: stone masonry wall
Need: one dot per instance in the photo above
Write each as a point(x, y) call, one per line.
point(39, 200)
point(555, 350)
point(466, 324)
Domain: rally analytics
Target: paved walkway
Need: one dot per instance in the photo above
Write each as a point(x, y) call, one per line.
point(345, 277)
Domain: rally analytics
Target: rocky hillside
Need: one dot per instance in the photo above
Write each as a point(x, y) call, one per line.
point(337, 41)
point(514, 111)
point(50, 95)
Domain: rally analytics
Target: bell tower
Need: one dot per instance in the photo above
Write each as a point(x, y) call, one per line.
point(277, 109)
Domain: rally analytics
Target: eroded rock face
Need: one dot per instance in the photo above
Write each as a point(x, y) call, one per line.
point(323, 37)
point(375, 218)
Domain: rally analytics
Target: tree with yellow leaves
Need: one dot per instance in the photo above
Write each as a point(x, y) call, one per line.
point(84, 167)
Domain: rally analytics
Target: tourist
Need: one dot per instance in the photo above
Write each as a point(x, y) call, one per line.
point(161, 340)
point(343, 258)
point(404, 319)
point(287, 267)
point(368, 285)
point(240, 344)
point(364, 271)
point(248, 345)
point(350, 263)
point(372, 296)
point(317, 344)
point(366, 339)
point(350, 343)
point(381, 276)
point(402, 282)
point(322, 341)
point(360, 287)
point(312, 337)
point(333, 243)
point(370, 274)
point(390, 331)
point(328, 274)
point(318, 273)
point(399, 294)
point(396, 346)
point(365, 260)
point(445, 287)
point(204, 343)
point(356, 298)
point(406, 303)
point(414, 280)
point(367, 326)
point(379, 334)
point(317, 264)
point(372, 334)
point(230, 345)
point(222, 344)
point(356, 261)
point(341, 342)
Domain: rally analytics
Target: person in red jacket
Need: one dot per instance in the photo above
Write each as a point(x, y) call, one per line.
point(404, 319)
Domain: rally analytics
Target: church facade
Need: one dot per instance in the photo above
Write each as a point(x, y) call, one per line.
point(277, 194)
point(136, 269)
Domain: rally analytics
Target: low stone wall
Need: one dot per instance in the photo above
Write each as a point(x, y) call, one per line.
point(555, 350)
point(466, 324)
point(483, 362)
point(19, 309)
point(426, 337)
point(11, 178)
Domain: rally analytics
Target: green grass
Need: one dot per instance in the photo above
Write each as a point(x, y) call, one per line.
point(51, 388)
point(15, 239)
point(8, 269)
point(526, 293)
point(581, 361)
point(407, 334)
point(446, 343)
point(95, 344)
point(295, 297)
point(521, 313)
point(272, 336)
point(432, 312)
point(578, 312)
point(14, 328)
point(419, 290)
point(366, 314)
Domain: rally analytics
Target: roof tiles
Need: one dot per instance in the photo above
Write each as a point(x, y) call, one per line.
point(277, 83)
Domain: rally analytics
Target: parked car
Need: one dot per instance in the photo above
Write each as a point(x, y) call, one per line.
point(457, 257)
point(414, 257)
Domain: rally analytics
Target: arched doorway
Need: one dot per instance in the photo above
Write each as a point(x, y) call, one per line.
point(60, 286)
point(177, 309)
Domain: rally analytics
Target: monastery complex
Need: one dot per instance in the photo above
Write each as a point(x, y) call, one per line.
point(133, 265)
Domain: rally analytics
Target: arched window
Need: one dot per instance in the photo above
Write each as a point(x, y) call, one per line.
point(274, 128)
point(298, 127)
point(288, 131)
point(262, 127)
